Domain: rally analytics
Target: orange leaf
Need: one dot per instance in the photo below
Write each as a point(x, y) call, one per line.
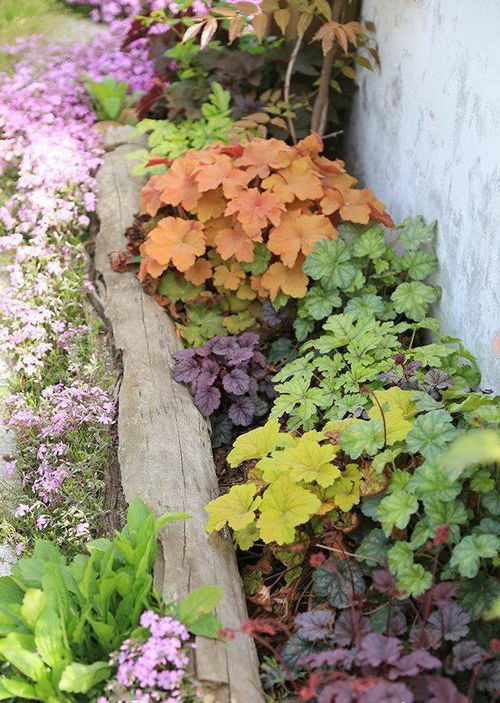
point(299, 233)
point(213, 227)
point(356, 207)
point(149, 265)
point(179, 185)
point(310, 146)
point(297, 180)
point(235, 183)
point(199, 272)
point(150, 195)
point(210, 205)
point(213, 172)
point(254, 209)
point(175, 240)
point(332, 201)
point(262, 155)
point(256, 285)
point(236, 242)
point(279, 277)
point(229, 277)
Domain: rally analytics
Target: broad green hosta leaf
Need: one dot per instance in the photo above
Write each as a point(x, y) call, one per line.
point(416, 233)
point(371, 243)
point(467, 554)
point(284, 506)
point(80, 678)
point(413, 299)
point(236, 508)
point(395, 510)
point(256, 444)
point(330, 263)
point(199, 603)
point(470, 449)
point(363, 437)
point(320, 302)
point(431, 433)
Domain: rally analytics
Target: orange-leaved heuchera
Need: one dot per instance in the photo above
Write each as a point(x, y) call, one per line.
point(242, 218)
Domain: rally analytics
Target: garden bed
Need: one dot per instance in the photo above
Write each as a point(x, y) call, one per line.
point(164, 451)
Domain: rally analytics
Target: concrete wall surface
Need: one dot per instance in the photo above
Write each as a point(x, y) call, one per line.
point(425, 136)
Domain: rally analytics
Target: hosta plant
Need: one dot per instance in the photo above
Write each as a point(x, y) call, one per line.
point(239, 220)
point(61, 621)
point(229, 381)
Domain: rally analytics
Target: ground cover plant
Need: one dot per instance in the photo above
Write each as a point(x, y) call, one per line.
point(59, 409)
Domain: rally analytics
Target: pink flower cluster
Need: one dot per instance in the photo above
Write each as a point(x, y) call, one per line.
point(60, 411)
point(154, 668)
point(49, 154)
point(108, 11)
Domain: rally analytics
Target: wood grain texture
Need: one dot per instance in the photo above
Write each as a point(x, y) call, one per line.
point(164, 448)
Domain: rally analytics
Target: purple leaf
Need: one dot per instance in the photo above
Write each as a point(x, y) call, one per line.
point(206, 349)
point(450, 622)
point(224, 346)
point(443, 593)
point(377, 649)
point(236, 381)
point(489, 677)
point(343, 632)
point(385, 692)
point(248, 339)
point(253, 386)
point(466, 654)
point(237, 356)
point(429, 640)
point(443, 690)
point(186, 369)
point(241, 412)
point(313, 625)
point(259, 359)
point(383, 581)
point(269, 314)
point(413, 663)
point(330, 658)
point(209, 371)
point(207, 399)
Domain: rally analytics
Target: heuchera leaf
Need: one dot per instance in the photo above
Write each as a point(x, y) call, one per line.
point(236, 508)
point(313, 625)
point(207, 399)
point(467, 554)
point(285, 506)
point(413, 299)
point(337, 580)
point(450, 622)
point(431, 433)
point(396, 509)
point(255, 444)
point(241, 412)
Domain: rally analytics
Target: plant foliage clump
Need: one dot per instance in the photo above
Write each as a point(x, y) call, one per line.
point(229, 380)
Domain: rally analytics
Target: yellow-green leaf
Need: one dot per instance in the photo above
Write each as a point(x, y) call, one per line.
point(310, 461)
point(255, 444)
point(284, 506)
point(236, 508)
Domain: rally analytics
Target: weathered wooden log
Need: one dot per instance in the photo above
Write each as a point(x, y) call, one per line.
point(164, 450)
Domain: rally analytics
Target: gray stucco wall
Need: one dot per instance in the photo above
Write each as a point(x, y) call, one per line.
point(425, 135)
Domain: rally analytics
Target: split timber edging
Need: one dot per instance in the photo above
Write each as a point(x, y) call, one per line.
point(164, 450)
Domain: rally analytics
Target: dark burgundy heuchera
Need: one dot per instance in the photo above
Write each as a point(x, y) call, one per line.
point(362, 641)
point(229, 380)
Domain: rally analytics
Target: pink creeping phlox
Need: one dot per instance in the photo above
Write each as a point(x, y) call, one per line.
point(153, 668)
point(49, 155)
